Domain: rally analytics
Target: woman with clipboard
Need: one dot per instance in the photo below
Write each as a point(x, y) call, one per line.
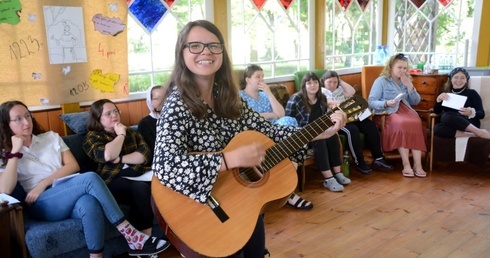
point(457, 121)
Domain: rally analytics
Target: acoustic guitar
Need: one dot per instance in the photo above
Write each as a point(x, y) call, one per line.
point(224, 225)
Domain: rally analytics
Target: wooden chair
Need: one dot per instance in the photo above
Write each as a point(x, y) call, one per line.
point(12, 233)
point(69, 108)
point(477, 149)
point(17, 220)
point(368, 75)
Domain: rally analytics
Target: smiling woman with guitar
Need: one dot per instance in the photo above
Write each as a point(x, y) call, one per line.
point(215, 164)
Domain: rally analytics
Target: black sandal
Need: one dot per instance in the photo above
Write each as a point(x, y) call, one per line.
point(300, 204)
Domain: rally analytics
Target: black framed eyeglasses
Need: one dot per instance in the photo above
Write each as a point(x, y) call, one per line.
point(198, 47)
point(401, 56)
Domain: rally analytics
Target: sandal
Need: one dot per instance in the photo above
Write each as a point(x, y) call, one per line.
point(408, 173)
point(420, 173)
point(300, 204)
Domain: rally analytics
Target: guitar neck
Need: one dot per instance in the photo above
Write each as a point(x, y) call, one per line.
point(353, 108)
point(297, 140)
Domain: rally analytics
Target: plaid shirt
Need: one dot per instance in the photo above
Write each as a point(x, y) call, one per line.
point(296, 108)
point(94, 146)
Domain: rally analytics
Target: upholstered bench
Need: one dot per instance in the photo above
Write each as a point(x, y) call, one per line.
point(65, 238)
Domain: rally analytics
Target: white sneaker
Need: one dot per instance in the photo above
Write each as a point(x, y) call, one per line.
point(332, 185)
point(342, 179)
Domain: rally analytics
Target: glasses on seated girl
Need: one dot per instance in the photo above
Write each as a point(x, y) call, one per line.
point(198, 47)
point(113, 112)
point(19, 119)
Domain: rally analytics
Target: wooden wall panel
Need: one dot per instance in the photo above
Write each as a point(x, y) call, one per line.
point(42, 118)
point(133, 111)
point(144, 108)
point(55, 122)
point(123, 106)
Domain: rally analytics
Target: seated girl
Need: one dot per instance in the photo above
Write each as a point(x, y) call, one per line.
point(338, 91)
point(306, 106)
point(464, 122)
point(35, 158)
point(259, 97)
point(120, 153)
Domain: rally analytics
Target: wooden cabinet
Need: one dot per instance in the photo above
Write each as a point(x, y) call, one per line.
point(428, 86)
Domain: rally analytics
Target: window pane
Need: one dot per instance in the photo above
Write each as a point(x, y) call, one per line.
point(139, 82)
point(351, 33)
point(433, 31)
point(139, 47)
point(272, 37)
point(151, 57)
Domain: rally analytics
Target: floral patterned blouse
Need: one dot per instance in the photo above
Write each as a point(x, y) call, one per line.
point(179, 133)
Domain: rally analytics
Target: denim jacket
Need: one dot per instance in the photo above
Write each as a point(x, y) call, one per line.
point(385, 89)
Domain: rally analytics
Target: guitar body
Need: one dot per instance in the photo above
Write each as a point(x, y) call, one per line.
point(242, 200)
point(243, 194)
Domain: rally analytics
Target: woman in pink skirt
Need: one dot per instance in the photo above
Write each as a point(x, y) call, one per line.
point(393, 93)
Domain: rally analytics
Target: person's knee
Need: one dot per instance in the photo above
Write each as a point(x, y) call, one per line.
point(87, 205)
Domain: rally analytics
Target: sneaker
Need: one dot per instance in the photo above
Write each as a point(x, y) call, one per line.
point(364, 169)
point(153, 245)
point(332, 185)
point(382, 164)
point(341, 179)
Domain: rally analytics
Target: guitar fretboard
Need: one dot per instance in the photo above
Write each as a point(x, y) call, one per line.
point(297, 140)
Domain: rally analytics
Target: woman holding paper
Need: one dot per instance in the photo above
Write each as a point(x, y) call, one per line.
point(404, 130)
point(464, 121)
point(36, 158)
point(338, 91)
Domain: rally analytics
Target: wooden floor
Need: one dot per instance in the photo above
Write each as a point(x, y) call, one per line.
point(384, 214)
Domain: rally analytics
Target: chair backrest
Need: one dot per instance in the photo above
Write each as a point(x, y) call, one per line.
point(369, 74)
point(69, 108)
point(481, 84)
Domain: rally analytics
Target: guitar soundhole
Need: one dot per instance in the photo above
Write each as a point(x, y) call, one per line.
point(251, 176)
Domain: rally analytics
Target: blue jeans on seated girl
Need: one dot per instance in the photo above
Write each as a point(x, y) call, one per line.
point(85, 197)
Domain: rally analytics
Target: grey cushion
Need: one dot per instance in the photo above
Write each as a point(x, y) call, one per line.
point(77, 122)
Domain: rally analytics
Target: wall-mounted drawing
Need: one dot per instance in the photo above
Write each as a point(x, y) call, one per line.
point(65, 34)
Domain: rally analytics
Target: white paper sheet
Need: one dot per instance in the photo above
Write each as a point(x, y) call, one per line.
point(60, 180)
point(399, 96)
point(145, 177)
point(367, 113)
point(454, 101)
point(6, 197)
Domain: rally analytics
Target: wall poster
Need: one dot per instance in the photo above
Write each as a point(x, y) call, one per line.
point(56, 51)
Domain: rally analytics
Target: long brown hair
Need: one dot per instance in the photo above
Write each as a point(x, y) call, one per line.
point(309, 76)
point(228, 102)
point(5, 131)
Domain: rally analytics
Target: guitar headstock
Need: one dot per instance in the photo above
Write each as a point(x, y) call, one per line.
point(353, 107)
